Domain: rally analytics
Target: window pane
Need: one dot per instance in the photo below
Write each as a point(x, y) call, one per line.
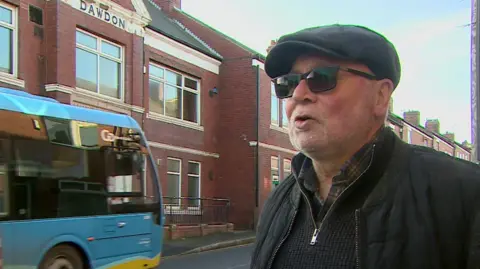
point(86, 70)
point(274, 162)
point(174, 78)
point(86, 40)
point(156, 96)
point(173, 188)
point(190, 83)
point(172, 101)
point(156, 71)
point(111, 50)
point(88, 136)
point(190, 106)
point(284, 114)
point(173, 166)
point(6, 53)
point(5, 15)
point(109, 78)
point(193, 168)
point(274, 110)
point(193, 190)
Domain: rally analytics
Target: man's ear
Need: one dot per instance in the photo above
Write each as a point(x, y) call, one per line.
point(384, 90)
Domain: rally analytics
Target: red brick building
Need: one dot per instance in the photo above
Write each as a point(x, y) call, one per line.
point(207, 107)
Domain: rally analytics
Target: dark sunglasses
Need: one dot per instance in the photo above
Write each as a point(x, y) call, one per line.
point(320, 79)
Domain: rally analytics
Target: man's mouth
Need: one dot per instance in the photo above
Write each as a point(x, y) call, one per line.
point(302, 118)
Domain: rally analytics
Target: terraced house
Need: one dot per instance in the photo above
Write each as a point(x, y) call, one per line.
point(218, 133)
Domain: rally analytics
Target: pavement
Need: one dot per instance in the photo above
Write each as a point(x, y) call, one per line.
point(206, 243)
point(226, 258)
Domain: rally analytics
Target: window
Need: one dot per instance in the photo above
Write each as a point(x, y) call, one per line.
point(174, 172)
point(284, 114)
point(409, 135)
point(99, 65)
point(173, 94)
point(7, 39)
point(278, 113)
point(287, 168)
point(275, 106)
point(3, 189)
point(274, 171)
point(194, 183)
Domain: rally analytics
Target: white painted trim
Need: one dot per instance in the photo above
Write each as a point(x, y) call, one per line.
point(79, 95)
point(59, 88)
point(183, 149)
point(136, 21)
point(279, 129)
point(11, 80)
point(256, 62)
point(272, 147)
point(180, 51)
point(171, 120)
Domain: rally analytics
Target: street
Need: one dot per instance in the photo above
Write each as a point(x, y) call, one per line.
point(228, 258)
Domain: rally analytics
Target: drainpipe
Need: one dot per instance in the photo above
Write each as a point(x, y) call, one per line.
point(256, 147)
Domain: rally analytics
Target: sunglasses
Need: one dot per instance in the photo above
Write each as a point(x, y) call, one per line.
point(320, 79)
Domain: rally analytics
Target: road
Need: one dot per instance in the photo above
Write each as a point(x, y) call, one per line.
point(228, 258)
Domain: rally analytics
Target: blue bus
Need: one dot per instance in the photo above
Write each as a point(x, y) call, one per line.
point(78, 188)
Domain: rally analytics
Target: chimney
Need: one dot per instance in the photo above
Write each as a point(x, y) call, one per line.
point(412, 117)
point(450, 136)
point(433, 126)
point(272, 43)
point(167, 6)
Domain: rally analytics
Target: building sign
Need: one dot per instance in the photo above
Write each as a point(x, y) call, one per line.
point(103, 14)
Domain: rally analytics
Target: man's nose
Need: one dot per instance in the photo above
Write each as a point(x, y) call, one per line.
point(303, 93)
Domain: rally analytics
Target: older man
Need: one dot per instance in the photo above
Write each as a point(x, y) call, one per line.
point(358, 196)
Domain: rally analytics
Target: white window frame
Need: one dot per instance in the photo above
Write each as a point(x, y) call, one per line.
point(409, 135)
point(289, 162)
point(199, 176)
point(273, 96)
point(12, 78)
point(184, 88)
point(6, 190)
point(179, 174)
point(282, 109)
point(277, 177)
point(99, 53)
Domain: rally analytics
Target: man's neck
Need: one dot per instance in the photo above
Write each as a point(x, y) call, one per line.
point(326, 170)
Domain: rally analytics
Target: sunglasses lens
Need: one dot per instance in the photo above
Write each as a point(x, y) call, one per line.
point(322, 79)
point(285, 85)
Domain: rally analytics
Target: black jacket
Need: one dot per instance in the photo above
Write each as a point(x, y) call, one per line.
point(421, 211)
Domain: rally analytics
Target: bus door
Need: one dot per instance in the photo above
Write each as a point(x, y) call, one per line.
point(126, 230)
point(22, 200)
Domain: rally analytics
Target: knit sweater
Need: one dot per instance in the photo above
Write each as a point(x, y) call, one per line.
point(335, 247)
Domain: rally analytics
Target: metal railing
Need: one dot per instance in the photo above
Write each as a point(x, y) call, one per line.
point(193, 211)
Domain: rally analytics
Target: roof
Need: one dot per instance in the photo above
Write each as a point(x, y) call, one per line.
point(255, 53)
point(395, 119)
point(23, 102)
point(161, 23)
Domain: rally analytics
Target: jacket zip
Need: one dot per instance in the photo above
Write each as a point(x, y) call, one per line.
point(313, 241)
point(272, 258)
point(357, 237)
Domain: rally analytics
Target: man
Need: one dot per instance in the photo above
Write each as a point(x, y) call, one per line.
point(358, 196)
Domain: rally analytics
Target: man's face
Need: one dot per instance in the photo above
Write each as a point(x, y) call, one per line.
point(337, 119)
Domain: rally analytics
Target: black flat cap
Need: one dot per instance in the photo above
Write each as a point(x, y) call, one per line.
point(343, 42)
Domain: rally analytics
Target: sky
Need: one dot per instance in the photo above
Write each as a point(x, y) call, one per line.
point(432, 38)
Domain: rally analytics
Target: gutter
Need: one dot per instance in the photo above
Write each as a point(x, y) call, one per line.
point(257, 134)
